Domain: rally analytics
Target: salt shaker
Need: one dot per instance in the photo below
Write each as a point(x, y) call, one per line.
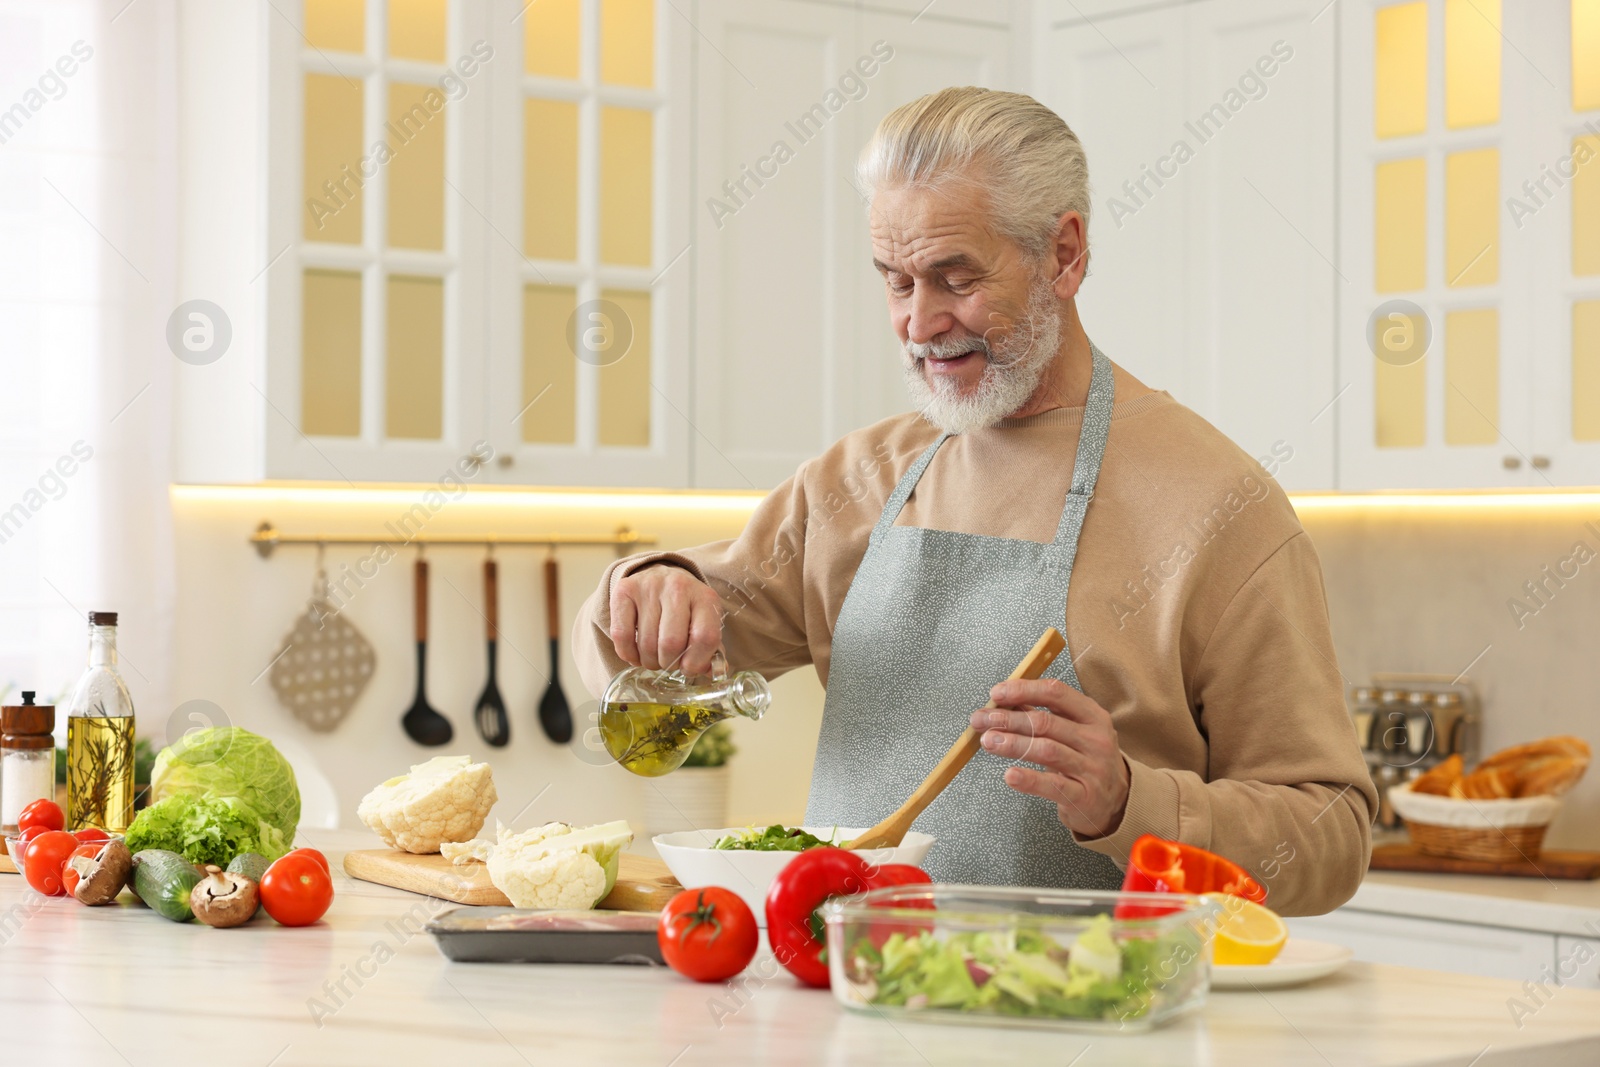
point(27, 758)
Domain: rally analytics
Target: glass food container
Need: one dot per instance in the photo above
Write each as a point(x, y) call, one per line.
point(1027, 957)
point(650, 720)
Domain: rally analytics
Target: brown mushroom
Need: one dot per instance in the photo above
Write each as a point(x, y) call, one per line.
point(102, 876)
point(223, 899)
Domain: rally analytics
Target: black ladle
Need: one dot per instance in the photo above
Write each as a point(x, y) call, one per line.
point(491, 710)
point(554, 714)
point(422, 724)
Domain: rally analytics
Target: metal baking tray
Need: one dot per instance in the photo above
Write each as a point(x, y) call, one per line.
point(525, 935)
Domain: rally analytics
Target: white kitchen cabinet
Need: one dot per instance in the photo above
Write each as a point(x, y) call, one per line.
point(1211, 237)
point(610, 417)
point(1432, 944)
point(1062, 13)
point(1435, 211)
point(402, 320)
point(792, 343)
point(1578, 961)
point(1132, 301)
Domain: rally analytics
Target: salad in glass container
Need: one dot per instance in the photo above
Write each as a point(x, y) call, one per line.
point(1026, 956)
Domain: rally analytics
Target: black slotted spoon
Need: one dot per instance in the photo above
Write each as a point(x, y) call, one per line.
point(422, 724)
point(491, 710)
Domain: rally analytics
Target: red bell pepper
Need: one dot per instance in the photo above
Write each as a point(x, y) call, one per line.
point(887, 874)
point(1156, 865)
point(896, 874)
point(794, 929)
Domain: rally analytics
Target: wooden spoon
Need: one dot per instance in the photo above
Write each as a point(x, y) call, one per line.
point(891, 831)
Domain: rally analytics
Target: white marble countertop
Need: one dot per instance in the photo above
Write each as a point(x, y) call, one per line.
point(1539, 904)
point(121, 985)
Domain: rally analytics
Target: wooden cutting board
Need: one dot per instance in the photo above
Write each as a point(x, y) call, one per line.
point(643, 884)
point(1551, 863)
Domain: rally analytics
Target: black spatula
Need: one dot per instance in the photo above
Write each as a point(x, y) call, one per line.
point(554, 714)
point(422, 724)
point(491, 710)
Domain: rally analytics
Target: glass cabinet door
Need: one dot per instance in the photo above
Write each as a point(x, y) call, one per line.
point(1435, 282)
point(1471, 221)
point(1565, 196)
point(589, 290)
point(375, 346)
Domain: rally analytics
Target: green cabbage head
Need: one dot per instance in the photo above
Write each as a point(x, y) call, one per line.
point(230, 761)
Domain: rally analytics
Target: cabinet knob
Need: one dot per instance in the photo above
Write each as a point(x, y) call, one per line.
point(1511, 463)
point(1540, 462)
point(505, 459)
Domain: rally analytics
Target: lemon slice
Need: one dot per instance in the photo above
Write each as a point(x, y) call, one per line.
point(1247, 933)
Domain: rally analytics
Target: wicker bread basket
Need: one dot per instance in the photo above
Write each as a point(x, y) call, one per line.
point(1495, 831)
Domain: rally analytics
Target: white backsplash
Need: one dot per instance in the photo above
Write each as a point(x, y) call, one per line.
point(1409, 590)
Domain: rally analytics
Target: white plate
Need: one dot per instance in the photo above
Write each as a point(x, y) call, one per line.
point(693, 862)
point(1300, 961)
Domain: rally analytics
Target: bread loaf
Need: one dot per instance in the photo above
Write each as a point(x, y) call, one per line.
point(1486, 783)
point(1516, 755)
point(1546, 767)
point(1439, 780)
point(1549, 775)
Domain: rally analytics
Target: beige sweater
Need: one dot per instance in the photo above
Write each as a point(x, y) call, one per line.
point(1196, 617)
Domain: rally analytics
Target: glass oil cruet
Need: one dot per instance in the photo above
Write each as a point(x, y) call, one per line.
point(650, 720)
point(100, 727)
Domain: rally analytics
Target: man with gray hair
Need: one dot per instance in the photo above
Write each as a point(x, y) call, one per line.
point(916, 561)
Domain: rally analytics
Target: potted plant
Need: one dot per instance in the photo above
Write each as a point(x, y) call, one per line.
point(695, 796)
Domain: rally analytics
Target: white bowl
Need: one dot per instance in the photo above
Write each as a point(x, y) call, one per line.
point(694, 863)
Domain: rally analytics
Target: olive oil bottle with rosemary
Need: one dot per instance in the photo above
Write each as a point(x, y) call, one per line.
point(650, 720)
point(100, 787)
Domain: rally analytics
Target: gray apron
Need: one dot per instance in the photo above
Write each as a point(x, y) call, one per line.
point(932, 620)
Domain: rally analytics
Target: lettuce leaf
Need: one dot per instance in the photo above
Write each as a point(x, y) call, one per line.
point(205, 829)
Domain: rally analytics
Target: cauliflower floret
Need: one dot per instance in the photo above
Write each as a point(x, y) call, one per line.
point(462, 853)
point(478, 850)
point(445, 799)
point(548, 879)
point(555, 866)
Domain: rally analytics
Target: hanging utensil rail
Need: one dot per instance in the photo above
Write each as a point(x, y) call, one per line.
point(267, 538)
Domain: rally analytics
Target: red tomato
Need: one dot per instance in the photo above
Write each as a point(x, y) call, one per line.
point(707, 934)
point(296, 890)
point(42, 861)
point(45, 813)
point(90, 833)
point(22, 842)
point(70, 877)
point(313, 854)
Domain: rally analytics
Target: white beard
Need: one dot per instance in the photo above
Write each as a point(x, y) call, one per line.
point(1016, 364)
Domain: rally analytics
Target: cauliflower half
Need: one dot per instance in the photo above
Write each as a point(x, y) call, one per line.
point(444, 799)
point(549, 879)
point(551, 866)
